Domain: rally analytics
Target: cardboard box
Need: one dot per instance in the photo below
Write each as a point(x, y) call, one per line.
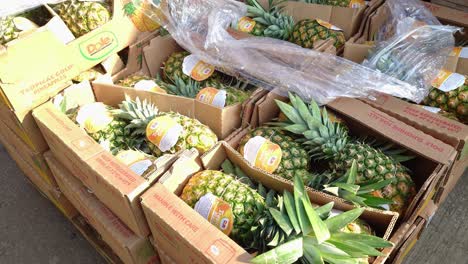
point(365, 120)
point(176, 227)
point(449, 131)
point(29, 78)
point(33, 158)
point(131, 248)
point(114, 183)
point(148, 60)
point(448, 15)
point(48, 191)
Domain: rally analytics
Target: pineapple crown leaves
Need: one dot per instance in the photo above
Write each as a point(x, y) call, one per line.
point(278, 25)
point(138, 113)
point(358, 194)
point(315, 237)
point(188, 89)
point(324, 138)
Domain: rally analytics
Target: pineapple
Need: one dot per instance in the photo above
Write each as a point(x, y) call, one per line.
point(246, 203)
point(236, 93)
point(12, 26)
point(172, 67)
point(304, 33)
point(295, 160)
point(330, 141)
point(99, 122)
point(455, 101)
point(140, 113)
point(264, 221)
point(152, 85)
point(82, 17)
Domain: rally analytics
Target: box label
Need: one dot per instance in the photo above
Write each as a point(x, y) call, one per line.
point(99, 46)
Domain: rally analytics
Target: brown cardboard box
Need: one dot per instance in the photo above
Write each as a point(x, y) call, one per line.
point(448, 15)
point(24, 126)
point(33, 158)
point(177, 228)
point(221, 120)
point(458, 61)
point(118, 187)
point(451, 132)
point(363, 119)
point(50, 192)
point(29, 78)
point(128, 246)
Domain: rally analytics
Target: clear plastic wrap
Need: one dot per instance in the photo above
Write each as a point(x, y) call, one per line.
point(412, 46)
point(201, 27)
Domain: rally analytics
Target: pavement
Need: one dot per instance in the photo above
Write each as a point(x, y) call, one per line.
point(32, 230)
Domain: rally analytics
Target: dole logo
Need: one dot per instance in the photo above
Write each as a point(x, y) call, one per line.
point(99, 46)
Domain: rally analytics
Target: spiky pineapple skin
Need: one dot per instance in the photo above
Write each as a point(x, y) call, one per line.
point(342, 3)
point(172, 67)
point(294, 160)
point(307, 32)
point(455, 101)
point(234, 95)
point(374, 164)
point(82, 17)
point(194, 135)
point(8, 30)
point(245, 202)
point(133, 79)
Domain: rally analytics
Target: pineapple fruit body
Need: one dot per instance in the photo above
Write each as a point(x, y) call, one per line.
point(82, 17)
point(455, 101)
point(194, 135)
point(294, 160)
point(307, 32)
point(245, 202)
point(329, 141)
point(374, 164)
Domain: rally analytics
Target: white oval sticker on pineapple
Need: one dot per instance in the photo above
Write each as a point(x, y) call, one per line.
point(460, 52)
point(216, 211)
point(196, 68)
point(447, 81)
point(328, 25)
point(148, 85)
point(263, 153)
point(163, 132)
point(212, 96)
point(356, 3)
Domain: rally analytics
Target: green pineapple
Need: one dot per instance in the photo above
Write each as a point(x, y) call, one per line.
point(330, 141)
point(82, 17)
point(139, 114)
point(266, 222)
point(304, 33)
point(454, 101)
